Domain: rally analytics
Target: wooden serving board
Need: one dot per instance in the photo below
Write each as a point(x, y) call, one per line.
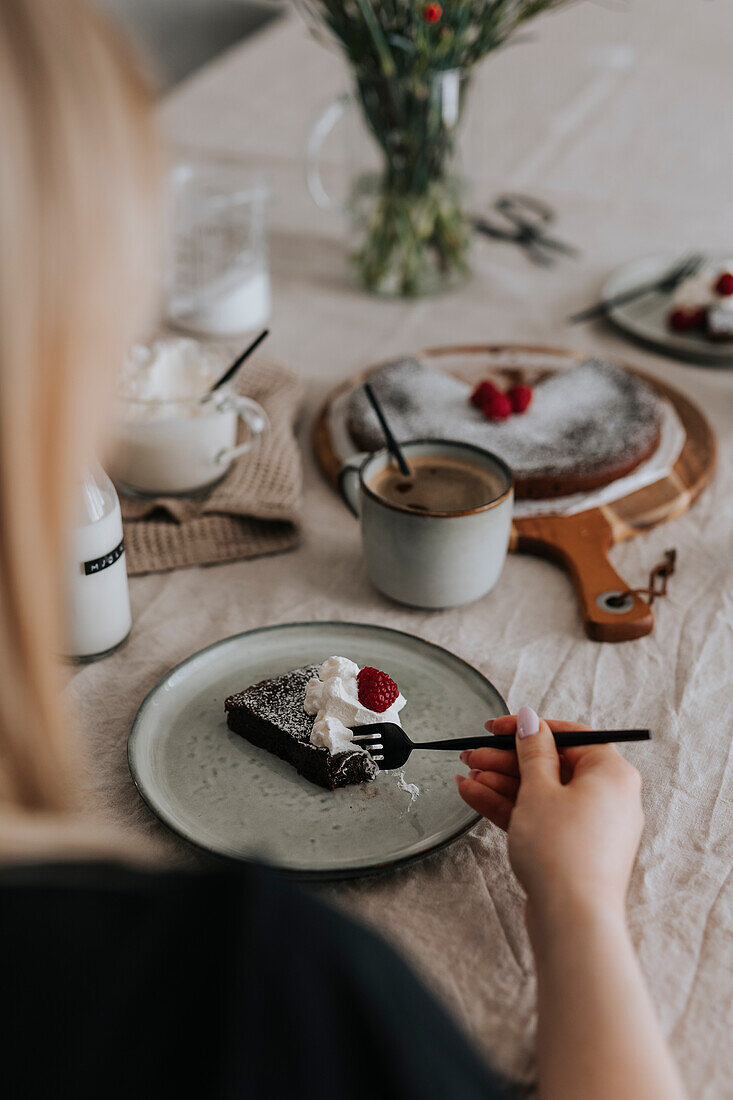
point(580, 543)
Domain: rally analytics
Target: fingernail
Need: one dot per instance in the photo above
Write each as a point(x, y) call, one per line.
point(474, 773)
point(465, 755)
point(528, 723)
point(459, 779)
point(490, 725)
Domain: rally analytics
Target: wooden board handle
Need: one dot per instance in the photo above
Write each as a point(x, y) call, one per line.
point(580, 544)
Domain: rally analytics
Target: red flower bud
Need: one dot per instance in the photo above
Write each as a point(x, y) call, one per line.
point(431, 13)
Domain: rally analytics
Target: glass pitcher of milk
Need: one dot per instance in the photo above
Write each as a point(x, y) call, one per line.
point(218, 279)
point(98, 617)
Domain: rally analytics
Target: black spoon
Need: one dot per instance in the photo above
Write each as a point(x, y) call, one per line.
point(231, 371)
point(392, 443)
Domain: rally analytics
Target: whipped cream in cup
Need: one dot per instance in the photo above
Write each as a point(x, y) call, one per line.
point(333, 697)
point(173, 437)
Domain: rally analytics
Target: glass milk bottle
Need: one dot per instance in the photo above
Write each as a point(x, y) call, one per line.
point(98, 616)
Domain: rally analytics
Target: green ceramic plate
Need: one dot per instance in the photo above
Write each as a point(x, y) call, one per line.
point(224, 795)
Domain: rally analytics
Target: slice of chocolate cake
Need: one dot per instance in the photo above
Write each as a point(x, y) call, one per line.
point(270, 715)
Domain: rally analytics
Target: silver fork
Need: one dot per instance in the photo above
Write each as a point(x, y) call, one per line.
point(390, 747)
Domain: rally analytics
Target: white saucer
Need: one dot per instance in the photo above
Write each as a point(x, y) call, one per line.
point(646, 319)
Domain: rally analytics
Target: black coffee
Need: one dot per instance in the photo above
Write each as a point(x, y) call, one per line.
point(437, 484)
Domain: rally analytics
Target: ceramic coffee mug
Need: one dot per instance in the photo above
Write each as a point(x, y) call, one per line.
point(430, 559)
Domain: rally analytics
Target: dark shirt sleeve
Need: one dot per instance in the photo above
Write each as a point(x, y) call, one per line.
point(344, 1013)
point(227, 984)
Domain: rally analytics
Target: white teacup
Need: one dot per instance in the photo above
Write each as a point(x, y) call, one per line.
point(182, 446)
point(431, 559)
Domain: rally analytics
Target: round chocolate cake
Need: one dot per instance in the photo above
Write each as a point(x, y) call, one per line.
point(586, 426)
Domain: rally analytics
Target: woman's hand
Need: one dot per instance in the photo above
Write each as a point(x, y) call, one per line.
point(573, 818)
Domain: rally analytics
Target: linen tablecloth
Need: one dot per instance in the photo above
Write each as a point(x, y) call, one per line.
point(619, 118)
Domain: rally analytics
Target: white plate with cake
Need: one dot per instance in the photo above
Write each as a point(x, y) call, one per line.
point(586, 431)
point(584, 425)
point(694, 322)
point(231, 753)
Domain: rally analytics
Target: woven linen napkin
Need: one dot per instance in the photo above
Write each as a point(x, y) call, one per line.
point(255, 510)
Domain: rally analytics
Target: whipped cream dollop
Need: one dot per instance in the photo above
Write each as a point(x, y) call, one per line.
point(695, 292)
point(699, 290)
point(333, 697)
point(170, 370)
point(409, 788)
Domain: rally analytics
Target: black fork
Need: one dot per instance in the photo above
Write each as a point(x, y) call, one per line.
point(665, 284)
point(390, 747)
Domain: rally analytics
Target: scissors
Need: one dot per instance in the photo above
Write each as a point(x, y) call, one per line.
point(525, 221)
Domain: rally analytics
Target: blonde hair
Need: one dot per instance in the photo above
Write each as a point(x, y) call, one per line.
point(79, 171)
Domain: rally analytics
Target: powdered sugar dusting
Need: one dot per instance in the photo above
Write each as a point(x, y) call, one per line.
point(280, 701)
point(585, 418)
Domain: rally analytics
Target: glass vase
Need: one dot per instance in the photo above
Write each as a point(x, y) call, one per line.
point(407, 228)
point(409, 233)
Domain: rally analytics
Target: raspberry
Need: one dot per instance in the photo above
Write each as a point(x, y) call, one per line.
point(377, 690)
point(724, 285)
point(482, 393)
point(498, 407)
point(686, 319)
point(520, 397)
